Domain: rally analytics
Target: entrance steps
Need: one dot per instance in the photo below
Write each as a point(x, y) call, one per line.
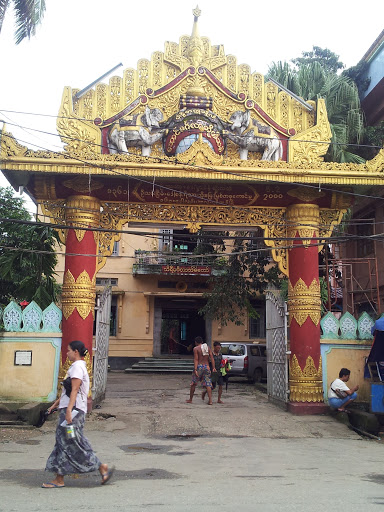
point(162, 365)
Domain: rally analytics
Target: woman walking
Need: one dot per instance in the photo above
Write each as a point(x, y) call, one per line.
point(73, 454)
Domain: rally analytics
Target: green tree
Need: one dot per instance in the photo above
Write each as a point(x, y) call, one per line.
point(328, 60)
point(28, 14)
point(27, 254)
point(373, 141)
point(358, 75)
point(311, 81)
point(245, 273)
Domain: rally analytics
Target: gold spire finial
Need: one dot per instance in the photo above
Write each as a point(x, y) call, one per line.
point(195, 53)
point(196, 12)
point(195, 49)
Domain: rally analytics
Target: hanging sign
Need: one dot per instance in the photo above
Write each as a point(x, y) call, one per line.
point(186, 270)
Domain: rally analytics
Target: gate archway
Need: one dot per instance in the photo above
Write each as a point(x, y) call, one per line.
point(193, 140)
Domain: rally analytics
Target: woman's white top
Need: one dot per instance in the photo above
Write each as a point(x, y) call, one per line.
point(77, 370)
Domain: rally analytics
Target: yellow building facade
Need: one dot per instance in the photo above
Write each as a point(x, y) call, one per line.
point(146, 306)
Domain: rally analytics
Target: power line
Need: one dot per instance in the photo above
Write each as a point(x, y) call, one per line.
point(165, 255)
point(198, 236)
point(246, 178)
point(159, 159)
point(72, 118)
point(357, 145)
point(44, 115)
point(26, 130)
point(351, 223)
point(338, 238)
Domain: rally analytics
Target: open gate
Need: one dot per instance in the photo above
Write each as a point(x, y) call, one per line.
point(276, 339)
point(100, 350)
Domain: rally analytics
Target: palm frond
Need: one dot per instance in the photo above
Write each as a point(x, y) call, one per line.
point(311, 78)
point(285, 74)
point(348, 157)
point(29, 14)
point(4, 4)
point(355, 124)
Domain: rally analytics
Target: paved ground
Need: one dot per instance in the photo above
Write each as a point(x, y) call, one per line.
point(172, 456)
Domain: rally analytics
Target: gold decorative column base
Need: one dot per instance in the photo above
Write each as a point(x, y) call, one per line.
point(305, 385)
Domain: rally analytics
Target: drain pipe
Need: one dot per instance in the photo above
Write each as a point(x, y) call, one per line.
point(364, 433)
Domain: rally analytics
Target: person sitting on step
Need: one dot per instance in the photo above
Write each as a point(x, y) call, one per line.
point(339, 394)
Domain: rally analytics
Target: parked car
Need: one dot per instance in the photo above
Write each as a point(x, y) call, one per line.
point(247, 359)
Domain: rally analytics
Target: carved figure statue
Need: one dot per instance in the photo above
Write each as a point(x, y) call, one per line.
point(242, 132)
point(141, 130)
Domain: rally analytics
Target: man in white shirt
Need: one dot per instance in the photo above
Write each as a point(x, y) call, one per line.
point(339, 387)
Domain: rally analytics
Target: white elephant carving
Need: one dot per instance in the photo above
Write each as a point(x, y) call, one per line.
point(242, 132)
point(142, 130)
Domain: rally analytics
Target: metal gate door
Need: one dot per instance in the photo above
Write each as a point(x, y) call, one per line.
point(276, 338)
point(100, 350)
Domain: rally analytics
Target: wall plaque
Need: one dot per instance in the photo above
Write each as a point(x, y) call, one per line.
point(23, 358)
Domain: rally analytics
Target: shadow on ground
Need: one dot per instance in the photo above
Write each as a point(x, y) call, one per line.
point(34, 478)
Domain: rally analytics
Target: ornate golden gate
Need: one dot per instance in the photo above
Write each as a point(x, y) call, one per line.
point(192, 138)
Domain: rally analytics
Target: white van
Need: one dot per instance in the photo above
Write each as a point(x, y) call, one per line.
point(247, 359)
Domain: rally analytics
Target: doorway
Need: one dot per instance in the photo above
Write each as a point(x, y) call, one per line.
point(179, 329)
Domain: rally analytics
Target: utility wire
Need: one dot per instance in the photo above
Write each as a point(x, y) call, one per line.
point(246, 178)
point(159, 159)
point(181, 254)
point(239, 208)
point(198, 236)
point(354, 144)
point(44, 115)
point(338, 238)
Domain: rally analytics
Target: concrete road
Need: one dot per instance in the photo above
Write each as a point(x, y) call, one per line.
point(172, 456)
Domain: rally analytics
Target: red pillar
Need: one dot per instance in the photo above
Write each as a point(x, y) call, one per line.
point(304, 305)
point(79, 284)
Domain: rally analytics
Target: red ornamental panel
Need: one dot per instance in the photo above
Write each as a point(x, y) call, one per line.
point(304, 302)
point(79, 289)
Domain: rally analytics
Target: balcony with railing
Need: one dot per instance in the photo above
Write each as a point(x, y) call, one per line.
point(176, 263)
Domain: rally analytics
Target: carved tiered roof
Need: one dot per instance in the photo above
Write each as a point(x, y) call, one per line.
point(192, 67)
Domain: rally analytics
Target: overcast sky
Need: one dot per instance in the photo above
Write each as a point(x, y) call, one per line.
point(79, 40)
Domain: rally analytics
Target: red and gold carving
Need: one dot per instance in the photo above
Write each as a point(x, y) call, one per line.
point(304, 302)
point(303, 222)
point(82, 213)
point(78, 294)
point(305, 384)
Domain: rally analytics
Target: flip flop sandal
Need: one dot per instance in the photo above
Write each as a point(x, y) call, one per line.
point(107, 476)
point(51, 485)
